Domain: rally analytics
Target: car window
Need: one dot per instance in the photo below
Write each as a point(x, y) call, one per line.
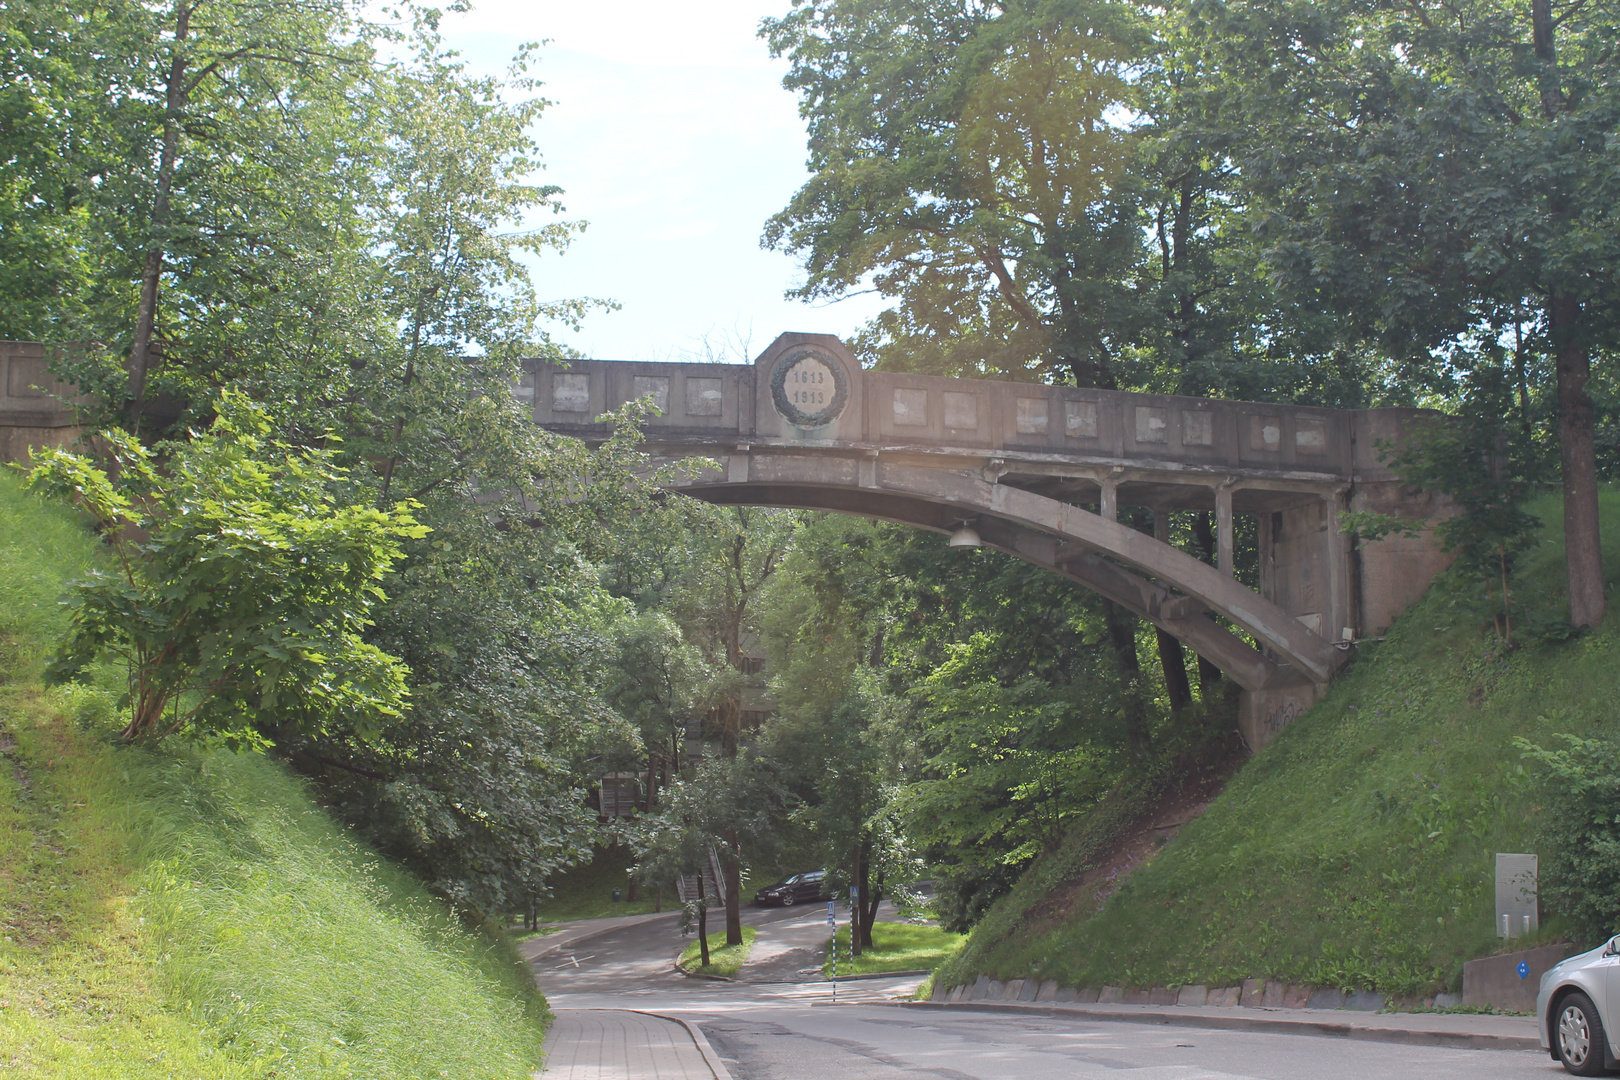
point(817, 876)
point(794, 880)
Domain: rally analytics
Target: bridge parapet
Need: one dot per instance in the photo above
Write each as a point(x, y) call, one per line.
point(719, 403)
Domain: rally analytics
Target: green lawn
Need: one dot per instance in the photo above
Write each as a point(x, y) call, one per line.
point(896, 947)
point(725, 960)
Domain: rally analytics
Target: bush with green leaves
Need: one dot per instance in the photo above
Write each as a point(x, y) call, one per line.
point(1580, 844)
point(243, 581)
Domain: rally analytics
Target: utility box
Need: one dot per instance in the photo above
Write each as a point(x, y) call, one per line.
point(1516, 913)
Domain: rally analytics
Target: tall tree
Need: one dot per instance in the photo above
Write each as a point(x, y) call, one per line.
point(965, 159)
point(739, 551)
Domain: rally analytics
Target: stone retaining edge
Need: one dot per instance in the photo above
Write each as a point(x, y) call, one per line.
point(1273, 1024)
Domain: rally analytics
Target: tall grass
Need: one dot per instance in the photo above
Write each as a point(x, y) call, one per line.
point(43, 546)
point(188, 912)
point(1357, 850)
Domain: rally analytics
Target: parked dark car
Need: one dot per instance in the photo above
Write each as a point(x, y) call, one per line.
point(799, 887)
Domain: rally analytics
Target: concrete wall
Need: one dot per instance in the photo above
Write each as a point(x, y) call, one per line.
point(1495, 981)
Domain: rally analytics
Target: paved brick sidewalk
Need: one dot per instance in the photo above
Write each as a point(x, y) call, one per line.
point(616, 1044)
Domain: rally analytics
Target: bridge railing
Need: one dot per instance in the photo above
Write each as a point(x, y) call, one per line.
point(718, 402)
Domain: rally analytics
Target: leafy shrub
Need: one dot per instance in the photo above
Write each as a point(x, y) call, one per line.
point(1580, 844)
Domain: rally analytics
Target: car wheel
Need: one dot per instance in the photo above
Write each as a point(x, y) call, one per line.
point(787, 900)
point(1578, 1036)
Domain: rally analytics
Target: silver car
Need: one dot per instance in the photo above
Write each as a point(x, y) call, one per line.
point(1579, 1010)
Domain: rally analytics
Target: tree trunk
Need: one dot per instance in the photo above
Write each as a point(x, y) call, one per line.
point(1174, 663)
point(1572, 355)
point(871, 897)
point(703, 921)
point(175, 99)
point(1582, 541)
point(731, 866)
point(1122, 636)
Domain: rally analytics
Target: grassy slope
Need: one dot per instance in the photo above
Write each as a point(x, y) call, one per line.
point(1357, 849)
point(187, 913)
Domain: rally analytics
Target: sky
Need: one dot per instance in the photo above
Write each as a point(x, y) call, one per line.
point(672, 136)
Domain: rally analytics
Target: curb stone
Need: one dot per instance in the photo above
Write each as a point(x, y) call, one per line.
point(710, 1058)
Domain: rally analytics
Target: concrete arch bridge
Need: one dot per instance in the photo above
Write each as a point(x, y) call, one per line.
point(1041, 472)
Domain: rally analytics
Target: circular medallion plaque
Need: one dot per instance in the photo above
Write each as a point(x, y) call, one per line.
point(809, 387)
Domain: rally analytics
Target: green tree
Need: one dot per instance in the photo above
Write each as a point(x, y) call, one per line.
point(659, 682)
point(833, 736)
point(959, 706)
point(1580, 874)
point(964, 160)
point(243, 586)
point(724, 804)
point(482, 784)
point(737, 552)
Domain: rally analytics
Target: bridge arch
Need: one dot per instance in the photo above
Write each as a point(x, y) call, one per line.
point(1040, 472)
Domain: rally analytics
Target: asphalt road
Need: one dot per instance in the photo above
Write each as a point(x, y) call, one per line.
point(777, 1027)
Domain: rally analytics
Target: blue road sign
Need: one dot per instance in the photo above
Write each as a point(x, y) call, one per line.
point(1524, 970)
point(832, 917)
